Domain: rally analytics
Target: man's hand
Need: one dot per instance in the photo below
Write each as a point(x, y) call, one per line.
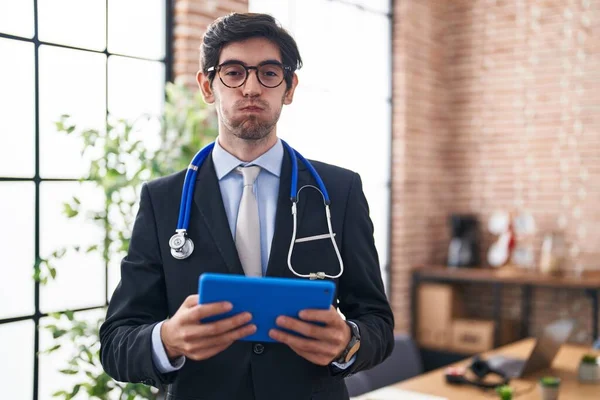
point(323, 344)
point(184, 335)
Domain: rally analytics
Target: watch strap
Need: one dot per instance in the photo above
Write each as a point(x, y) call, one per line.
point(354, 338)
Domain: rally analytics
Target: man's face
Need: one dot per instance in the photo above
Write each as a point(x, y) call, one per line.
point(250, 111)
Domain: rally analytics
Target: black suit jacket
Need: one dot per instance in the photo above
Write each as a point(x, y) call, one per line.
point(153, 286)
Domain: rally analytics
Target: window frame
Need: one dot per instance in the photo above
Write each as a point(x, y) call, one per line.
point(167, 61)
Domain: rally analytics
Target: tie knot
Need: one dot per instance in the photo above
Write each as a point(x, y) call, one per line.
point(249, 174)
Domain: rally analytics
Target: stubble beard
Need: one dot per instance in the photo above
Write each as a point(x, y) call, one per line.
point(253, 127)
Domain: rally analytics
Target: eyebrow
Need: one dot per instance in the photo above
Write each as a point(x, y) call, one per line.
point(233, 60)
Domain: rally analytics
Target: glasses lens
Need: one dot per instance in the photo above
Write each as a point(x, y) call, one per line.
point(270, 75)
point(232, 74)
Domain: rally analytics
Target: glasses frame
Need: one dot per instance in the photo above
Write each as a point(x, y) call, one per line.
point(248, 68)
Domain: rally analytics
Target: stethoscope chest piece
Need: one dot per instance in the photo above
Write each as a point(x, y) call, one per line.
point(181, 246)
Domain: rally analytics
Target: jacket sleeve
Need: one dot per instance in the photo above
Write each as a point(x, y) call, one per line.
point(362, 297)
point(137, 305)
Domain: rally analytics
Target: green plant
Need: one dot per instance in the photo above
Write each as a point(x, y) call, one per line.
point(550, 381)
point(505, 392)
point(84, 362)
point(122, 159)
point(589, 359)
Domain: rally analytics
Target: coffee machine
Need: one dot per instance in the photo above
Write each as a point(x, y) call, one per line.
point(463, 250)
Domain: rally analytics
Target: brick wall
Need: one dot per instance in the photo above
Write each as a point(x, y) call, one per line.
point(421, 133)
point(496, 106)
point(191, 19)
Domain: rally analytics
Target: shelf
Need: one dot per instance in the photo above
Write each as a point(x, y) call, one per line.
point(508, 275)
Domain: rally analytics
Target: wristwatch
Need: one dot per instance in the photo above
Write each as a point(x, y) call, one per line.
point(353, 344)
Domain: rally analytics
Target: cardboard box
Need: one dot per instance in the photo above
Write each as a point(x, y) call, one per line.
point(438, 306)
point(477, 335)
point(472, 336)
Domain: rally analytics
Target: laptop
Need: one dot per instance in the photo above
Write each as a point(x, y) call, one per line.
point(544, 351)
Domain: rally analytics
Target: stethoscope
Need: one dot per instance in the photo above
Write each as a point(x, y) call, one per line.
point(182, 246)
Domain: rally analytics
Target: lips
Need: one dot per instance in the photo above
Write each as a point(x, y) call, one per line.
point(252, 108)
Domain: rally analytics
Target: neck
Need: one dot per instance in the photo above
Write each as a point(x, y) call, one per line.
point(247, 150)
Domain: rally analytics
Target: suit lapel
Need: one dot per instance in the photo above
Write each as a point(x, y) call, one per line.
point(284, 224)
point(304, 178)
point(208, 199)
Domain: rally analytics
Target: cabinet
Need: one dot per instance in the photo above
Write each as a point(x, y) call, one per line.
point(497, 279)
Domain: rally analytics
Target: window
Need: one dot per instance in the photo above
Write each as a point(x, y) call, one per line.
point(62, 57)
point(342, 108)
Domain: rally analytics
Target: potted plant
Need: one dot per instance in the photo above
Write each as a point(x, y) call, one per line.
point(121, 164)
point(549, 387)
point(505, 392)
point(589, 368)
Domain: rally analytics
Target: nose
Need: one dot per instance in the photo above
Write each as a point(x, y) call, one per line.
point(252, 87)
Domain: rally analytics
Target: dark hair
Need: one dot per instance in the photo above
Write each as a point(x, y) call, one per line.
point(236, 27)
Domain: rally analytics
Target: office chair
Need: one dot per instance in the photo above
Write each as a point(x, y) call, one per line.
point(404, 362)
point(358, 384)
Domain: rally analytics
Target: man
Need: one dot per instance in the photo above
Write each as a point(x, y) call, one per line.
point(152, 332)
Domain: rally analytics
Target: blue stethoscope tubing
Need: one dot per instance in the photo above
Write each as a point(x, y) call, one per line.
point(182, 246)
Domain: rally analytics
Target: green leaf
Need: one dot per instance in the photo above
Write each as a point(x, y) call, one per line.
point(89, 355)
point(589, 359)
point(75, 390)
point(92, 248)
point(53, 348)
point(69, 211)
point(58, 333)
point(52, 272)
point(60, 253)
point(68, 371)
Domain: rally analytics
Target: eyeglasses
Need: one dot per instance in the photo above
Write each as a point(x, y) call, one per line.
point(234, 74)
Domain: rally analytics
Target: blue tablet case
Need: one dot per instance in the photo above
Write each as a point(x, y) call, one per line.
point(265, 298)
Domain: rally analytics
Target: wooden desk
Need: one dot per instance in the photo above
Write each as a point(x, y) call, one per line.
point(564, 366)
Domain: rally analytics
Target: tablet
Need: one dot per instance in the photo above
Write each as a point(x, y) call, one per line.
point(265, 298)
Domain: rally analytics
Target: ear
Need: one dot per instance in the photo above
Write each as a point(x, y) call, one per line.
point(205, 87)
point(289, 95)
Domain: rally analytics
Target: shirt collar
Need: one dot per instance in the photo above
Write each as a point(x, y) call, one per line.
point(226, 162)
